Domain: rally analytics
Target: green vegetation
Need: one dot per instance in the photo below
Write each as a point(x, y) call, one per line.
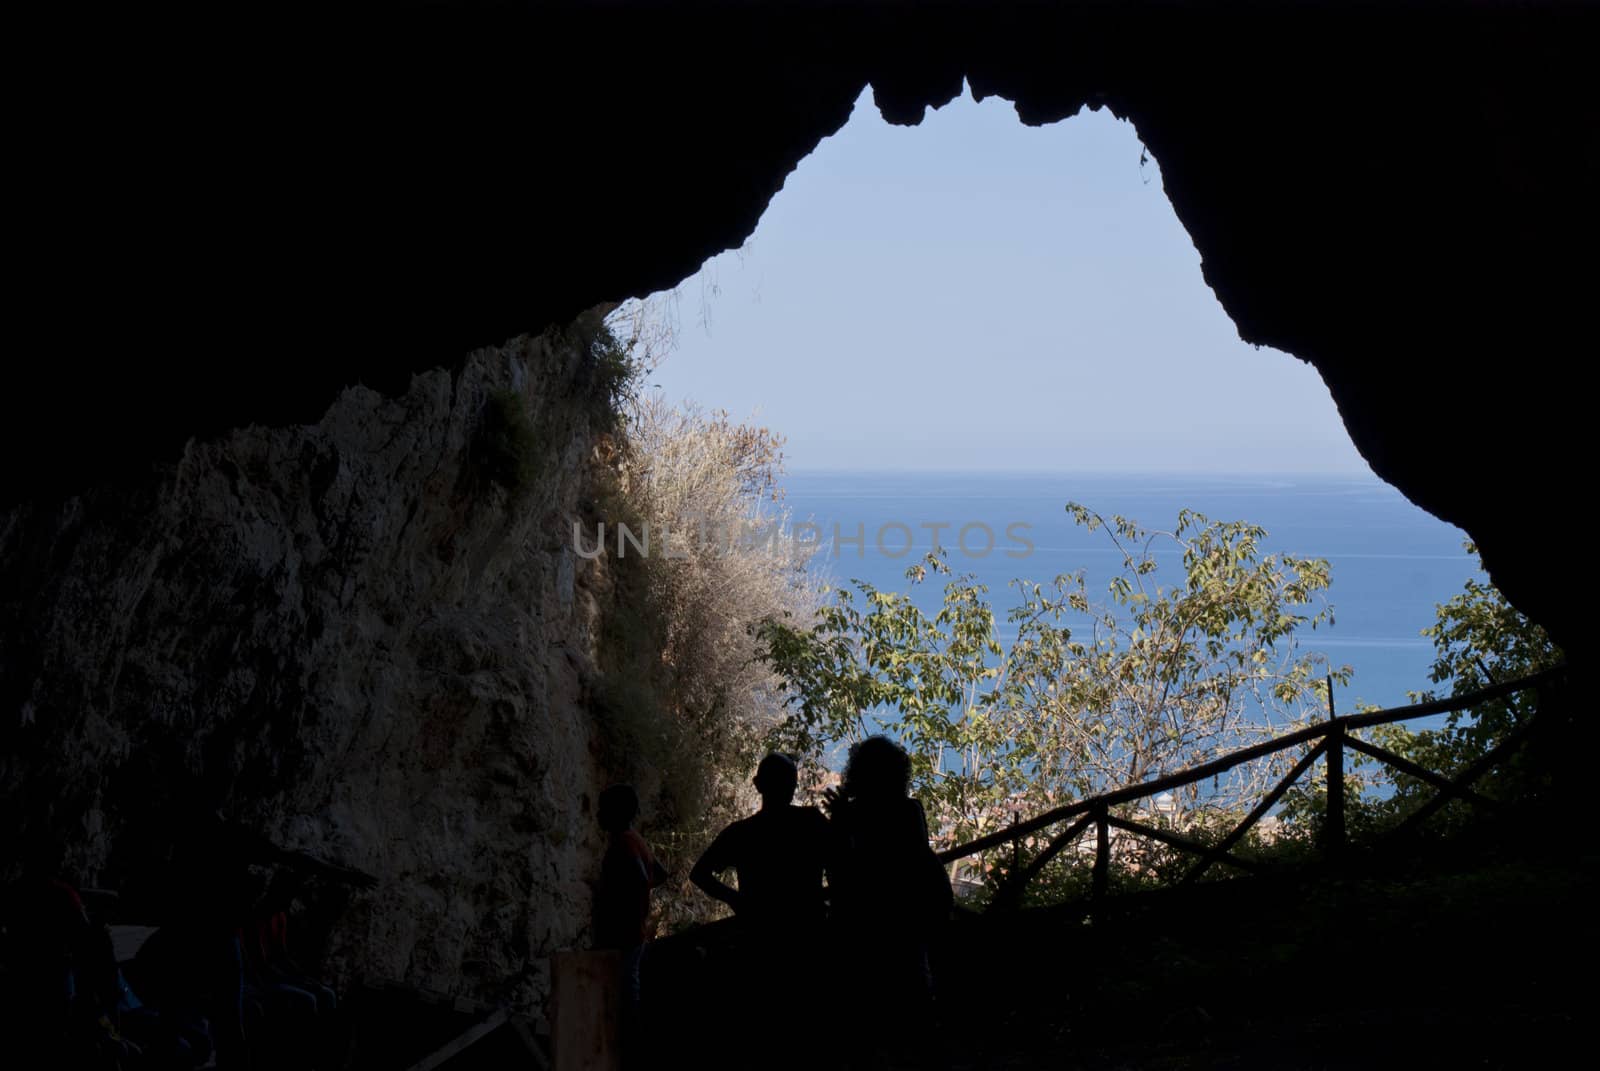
point(715, 650)
point(510, 448)
point(1156, 677)
point(507, 448)
point(1092, 695)
point(610, 369)
point(1479, 639)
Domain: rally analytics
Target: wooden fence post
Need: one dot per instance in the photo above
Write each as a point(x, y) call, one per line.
point(585, 1028)
point(1333, 831)
point(1102, 851)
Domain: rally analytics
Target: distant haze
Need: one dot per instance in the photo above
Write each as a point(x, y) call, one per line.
point(974, 294)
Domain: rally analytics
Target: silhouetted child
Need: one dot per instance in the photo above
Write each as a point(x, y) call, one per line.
point(622, 897)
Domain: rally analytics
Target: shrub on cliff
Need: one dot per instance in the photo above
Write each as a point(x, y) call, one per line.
point(507, 448)
point(687, 694)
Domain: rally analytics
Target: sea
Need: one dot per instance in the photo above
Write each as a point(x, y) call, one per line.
point(1391, 563)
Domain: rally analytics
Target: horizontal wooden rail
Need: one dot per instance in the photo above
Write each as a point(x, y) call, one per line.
point(1226, 844)
point(1458, 785)
point(1454, 703)
point(1135, 792)
point(1176, 840)
point(1320, 732)
point(1406, 766)
point(1015, 883)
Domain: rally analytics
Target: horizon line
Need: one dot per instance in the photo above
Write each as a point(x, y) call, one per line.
point(889, 470)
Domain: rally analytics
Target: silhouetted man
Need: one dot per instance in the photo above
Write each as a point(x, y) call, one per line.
point(780, 855)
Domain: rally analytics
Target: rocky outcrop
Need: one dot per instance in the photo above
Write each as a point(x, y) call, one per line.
point(352, 635)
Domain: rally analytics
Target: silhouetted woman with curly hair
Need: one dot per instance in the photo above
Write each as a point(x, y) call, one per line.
point(890, 896)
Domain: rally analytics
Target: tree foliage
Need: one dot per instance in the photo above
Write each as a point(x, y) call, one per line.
point(1095, 692)
point(1479, 639)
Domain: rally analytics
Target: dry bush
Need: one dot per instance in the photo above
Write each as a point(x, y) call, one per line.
point(720, 561)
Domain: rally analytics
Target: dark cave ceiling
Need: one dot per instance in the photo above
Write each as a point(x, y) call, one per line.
point(223, 217)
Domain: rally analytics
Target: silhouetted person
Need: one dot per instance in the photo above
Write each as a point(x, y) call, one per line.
point(62, 994)
point(296, 1009)
point(622, 899)
point(780, 855)
point(196, 959)
point(59, 995)
point(890, 897)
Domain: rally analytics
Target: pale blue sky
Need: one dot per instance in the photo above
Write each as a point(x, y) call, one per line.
point(972, 293)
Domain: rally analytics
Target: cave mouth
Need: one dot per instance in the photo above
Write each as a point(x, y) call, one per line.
point(974, 320)
point(910, 284)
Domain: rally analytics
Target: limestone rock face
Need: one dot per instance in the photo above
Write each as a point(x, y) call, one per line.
point(346, 636)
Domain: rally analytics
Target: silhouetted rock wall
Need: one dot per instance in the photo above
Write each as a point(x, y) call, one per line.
point(348, 635)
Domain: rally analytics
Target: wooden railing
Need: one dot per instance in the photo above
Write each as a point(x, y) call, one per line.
point(1328, 739)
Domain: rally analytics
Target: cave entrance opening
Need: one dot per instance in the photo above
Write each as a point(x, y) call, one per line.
point(961, 325)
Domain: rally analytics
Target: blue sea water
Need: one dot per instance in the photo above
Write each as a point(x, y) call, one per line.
point(1391, 562)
